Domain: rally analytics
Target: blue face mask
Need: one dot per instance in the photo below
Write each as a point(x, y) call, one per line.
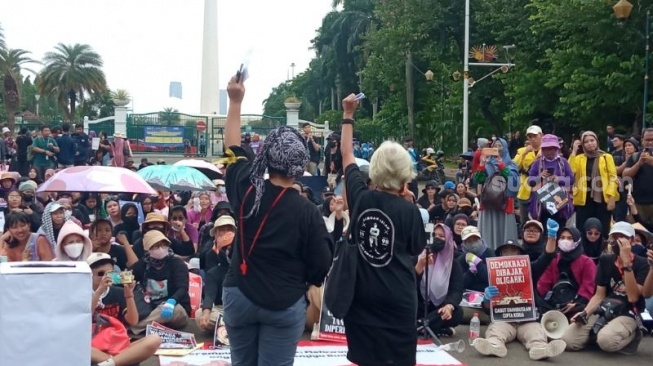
point(223, 190)
point(639, 250)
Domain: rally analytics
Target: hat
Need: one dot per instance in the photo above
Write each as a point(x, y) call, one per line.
point(154, 217)
point(119, 134)
point(218, 182)
point(5, 130)
point(328, 190)
point(7, 175)
point(623, 228)
point(634, 142)
point(334, 136)
point(223, 205)
point(54, 206)
point(509, 243)
point(433, 184)
point(224, 220)
point(641, 230)
point(95, 259)
point(534, 130)
point(469, 231)
point(550, 141)
point(152, 237)
point(449, 185)
point(534, 223)
point(464, 202)
point(27, 185)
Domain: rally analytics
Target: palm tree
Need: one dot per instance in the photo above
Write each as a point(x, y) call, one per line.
point(3, 45)
point(11, 61)
point(169, 117)
point(71, 72)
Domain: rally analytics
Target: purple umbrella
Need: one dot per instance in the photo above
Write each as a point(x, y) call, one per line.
point(97, 179)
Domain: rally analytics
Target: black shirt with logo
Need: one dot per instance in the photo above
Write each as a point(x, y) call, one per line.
point(609, 276)
point(292, 251)
point(114, 304)
point(389, 232)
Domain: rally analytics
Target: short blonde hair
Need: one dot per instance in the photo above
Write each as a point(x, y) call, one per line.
point(391, 166)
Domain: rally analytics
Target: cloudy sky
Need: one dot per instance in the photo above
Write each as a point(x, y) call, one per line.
point(146, 44)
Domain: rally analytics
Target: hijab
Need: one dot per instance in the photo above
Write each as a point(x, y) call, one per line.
point(440, 270)
point(596, 194)
point(492, 166)
point(592, 249)
point(47, 228)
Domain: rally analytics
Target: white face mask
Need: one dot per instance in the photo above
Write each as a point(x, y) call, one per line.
point(159, 253)
point(223, 190)
point(74, 250)
point(567, 245)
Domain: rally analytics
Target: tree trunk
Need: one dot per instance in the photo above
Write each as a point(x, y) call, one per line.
point(11, 97)
point(73, 101)
point(375, 107)
point(410, 94)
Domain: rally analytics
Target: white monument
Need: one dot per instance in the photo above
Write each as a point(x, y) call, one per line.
point(210, 96)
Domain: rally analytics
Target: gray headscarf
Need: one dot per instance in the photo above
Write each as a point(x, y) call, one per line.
point(283, 151)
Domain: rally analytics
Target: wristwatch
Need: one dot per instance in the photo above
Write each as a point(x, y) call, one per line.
point(628, 268)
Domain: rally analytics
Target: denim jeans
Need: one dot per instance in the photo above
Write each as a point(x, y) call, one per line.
point(261, 337)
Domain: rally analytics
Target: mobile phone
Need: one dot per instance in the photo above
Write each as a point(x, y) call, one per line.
point(490, 151)
point(549, 170)
point(239, 73)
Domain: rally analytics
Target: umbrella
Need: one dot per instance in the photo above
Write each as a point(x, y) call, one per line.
point(176, 178)
point(208, 169)
point(96, 179)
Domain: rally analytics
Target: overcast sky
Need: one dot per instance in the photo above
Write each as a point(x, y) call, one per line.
point(145, 44)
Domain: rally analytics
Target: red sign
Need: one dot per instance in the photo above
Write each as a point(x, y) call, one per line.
point(195, 292)
point(201, 126)
point(515, 302)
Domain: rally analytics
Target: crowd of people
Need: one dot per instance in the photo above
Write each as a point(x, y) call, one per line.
point(263, 268)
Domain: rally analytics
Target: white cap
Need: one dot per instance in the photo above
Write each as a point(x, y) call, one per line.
point(194, 263)
point(534, 130)
point(623, 228)
point(470, 231)
point(5, 130)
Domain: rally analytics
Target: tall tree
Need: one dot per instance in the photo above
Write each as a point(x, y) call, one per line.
point(11, 64)
point(3, 45)
point(71, 73)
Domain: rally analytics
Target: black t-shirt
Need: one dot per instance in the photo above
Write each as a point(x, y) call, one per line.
point(167, 282)
point(389, 231)
point(119, 255)
point(609, 276)
point(114, 304)
point(314, 153)
point(642, 187)
point(22, 142)
point(291, 251)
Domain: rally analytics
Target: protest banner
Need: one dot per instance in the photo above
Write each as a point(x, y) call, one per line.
point(173, 342)
point(331, 328)
point(552, 197)
point(195, 293)
point(512, 276)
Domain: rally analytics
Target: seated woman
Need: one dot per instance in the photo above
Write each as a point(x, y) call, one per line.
point(534, 240)
point(15, 203)
point(101, 237)
point(223, 232)
point(472, 262)
point(593, 242)
point(165, 279)
point(200, 210)
point(158, 222)
point(429, 199)
point(17, 242)
point(445, 284)
point(72, 244)
point(112, 208)
point(208, 258)
point(567, 284)
point(129, 224)
point(118, 303)
point(53, 219)
point(180, 228)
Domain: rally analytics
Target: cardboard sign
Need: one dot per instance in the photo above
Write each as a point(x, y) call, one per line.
point(195, 292)
point(552, 197)
point(516, 301)
point(331, 328)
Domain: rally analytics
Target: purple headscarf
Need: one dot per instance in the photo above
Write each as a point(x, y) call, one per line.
point(440, 271)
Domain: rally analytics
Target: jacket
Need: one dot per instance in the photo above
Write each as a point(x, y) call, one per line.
point(607, 171)
point(524, 162)
point(582, 268)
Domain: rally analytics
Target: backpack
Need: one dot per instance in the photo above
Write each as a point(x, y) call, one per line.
point(564, 290)
point(494, 193)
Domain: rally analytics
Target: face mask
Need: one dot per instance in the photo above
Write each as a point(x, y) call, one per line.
point(28, 198)
point(159, 253)
point(567, 245)
point(473, 246)
point(74, 250)
point(639, 250)
point(438, 245)
point(223, 190)
point(130, 220)
point(332, 144)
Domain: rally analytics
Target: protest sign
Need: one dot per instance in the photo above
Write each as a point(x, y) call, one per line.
point(552, 197)
point(195, 293)
point(512, 276)
point(331, 328)
point(173, 342)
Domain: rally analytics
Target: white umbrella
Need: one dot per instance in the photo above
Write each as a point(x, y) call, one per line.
point(208, 169)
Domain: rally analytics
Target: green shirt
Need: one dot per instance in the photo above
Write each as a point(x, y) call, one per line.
point(40, 159)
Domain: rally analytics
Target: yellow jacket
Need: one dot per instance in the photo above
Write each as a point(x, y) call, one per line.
point(607, 171)
point(524, 162)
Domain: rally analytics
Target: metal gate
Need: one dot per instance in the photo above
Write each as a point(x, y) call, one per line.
point(251, 123)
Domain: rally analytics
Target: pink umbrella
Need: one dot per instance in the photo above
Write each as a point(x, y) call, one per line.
point(97, 179)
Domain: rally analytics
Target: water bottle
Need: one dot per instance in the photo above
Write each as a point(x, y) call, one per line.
point(474, 329)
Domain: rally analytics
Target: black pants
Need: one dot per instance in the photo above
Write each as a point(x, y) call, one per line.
point(593, 209)
point(413, 186)
point(435, 321)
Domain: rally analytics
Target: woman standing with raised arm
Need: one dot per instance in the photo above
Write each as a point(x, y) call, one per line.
point(281, 245)
point(389, 232)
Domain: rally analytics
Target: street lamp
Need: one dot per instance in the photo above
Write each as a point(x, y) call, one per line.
point(622, 11)
point(37, 97)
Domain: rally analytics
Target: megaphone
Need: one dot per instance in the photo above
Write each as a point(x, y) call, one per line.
point(554, 324)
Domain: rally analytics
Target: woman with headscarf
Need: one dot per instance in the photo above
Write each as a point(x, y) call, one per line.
point(593, 241)
point(73, 244)
point(280, 233)
point(118, 149)
point(129, 217)
point(498, 226)
point(595, 189)
point(534, 239)
point(457, 224)
point(445, 284)
point(53, 218)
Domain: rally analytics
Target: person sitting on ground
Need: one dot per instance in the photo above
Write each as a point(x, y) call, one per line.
point(531, 334)
point(472, 260)
point(72, 244)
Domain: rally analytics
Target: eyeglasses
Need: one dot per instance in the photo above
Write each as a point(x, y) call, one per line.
point(103, 273)
point(590, 233)
point(531, 231)
point(111, 198)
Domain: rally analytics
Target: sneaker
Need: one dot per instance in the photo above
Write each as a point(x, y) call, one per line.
point(631, 348)
point(485, 347)
point(552, 349)
point(445, 332)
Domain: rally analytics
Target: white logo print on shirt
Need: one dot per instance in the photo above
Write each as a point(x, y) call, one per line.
point(376, 235)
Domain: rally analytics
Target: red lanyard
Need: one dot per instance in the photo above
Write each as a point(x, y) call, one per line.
point(243, 264)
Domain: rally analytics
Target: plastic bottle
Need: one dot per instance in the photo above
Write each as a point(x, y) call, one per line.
point(474, 329)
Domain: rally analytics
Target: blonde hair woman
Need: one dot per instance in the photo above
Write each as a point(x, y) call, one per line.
point(389, 232)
